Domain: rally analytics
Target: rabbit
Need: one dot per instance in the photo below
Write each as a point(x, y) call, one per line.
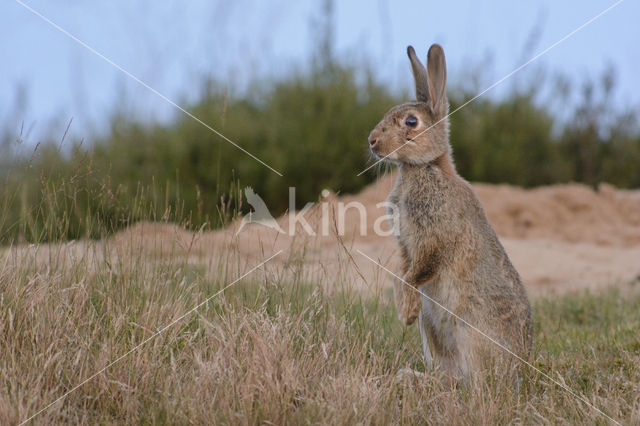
point(449, 251)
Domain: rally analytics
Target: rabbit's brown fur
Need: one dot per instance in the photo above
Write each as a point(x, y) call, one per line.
point(449, 250)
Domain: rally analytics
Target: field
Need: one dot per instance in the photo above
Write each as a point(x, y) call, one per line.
point(107, 329)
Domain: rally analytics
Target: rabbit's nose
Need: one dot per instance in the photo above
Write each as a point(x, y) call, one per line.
point(373, 138)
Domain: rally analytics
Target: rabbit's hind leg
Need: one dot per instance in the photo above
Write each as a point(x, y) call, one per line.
point(426, 350)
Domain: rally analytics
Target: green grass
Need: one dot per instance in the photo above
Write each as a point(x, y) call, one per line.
point(273, 349)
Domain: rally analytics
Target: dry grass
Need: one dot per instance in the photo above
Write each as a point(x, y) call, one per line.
point(272, 350)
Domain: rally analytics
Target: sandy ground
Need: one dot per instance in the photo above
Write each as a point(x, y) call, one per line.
point(560, 238)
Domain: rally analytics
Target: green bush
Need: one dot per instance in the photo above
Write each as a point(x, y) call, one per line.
point(311, 126)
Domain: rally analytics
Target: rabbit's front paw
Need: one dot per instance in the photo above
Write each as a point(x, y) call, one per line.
point(412, 305)
point(408, 302)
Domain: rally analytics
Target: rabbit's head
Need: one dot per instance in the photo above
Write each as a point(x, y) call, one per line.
point(417, 132)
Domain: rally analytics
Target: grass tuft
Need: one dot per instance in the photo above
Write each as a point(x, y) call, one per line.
point(270, 350)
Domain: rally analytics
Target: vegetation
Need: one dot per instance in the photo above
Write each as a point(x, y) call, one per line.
point(274, 348)
point(310, 126)
point(282, 345)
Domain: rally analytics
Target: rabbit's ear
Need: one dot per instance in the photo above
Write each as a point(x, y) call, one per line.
point(437, 71)
point(419, 76)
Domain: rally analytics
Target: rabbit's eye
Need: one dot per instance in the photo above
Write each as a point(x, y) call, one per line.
point(411, 121)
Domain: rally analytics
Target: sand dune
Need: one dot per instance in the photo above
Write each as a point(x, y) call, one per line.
point(560, 238)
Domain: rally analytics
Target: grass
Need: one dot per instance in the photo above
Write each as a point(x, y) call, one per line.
point(273, 349)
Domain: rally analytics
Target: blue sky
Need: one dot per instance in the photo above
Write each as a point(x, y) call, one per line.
point(172, 45)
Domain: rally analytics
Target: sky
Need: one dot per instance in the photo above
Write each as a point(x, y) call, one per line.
point(47, 78)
